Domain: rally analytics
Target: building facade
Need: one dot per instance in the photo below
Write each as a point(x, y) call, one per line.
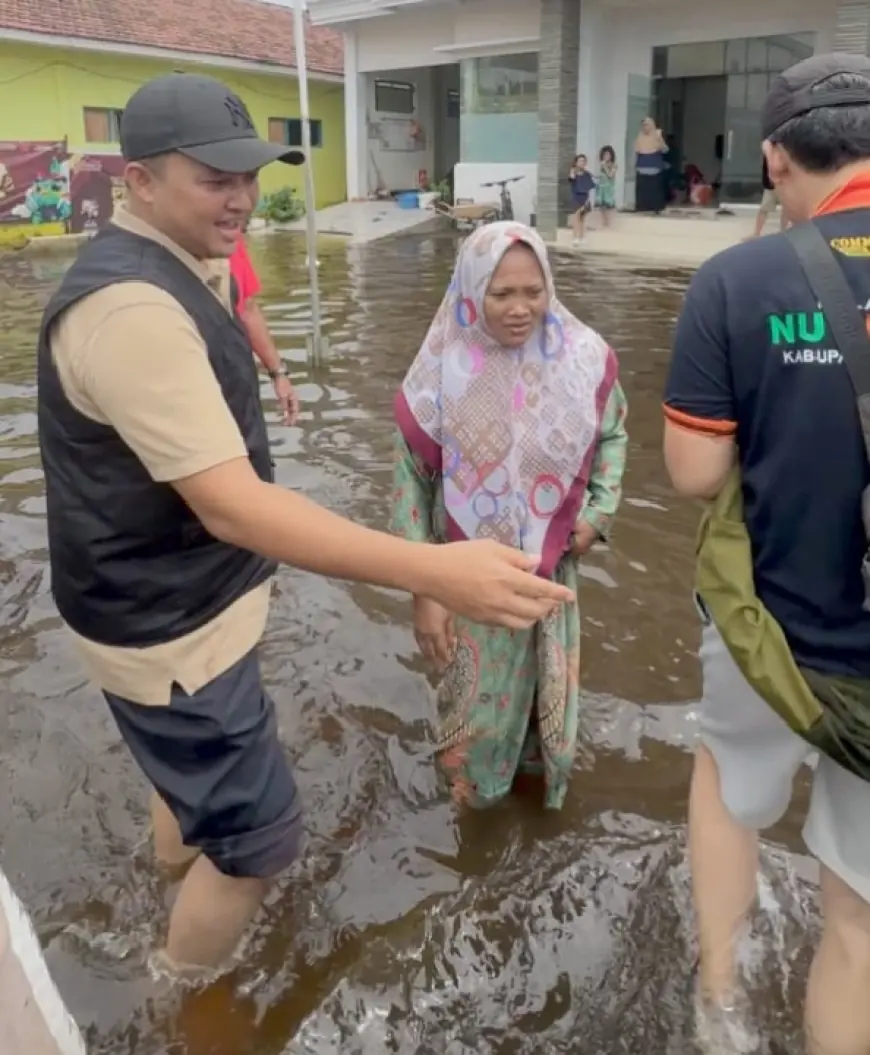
point(74, 86)
point(499, 89)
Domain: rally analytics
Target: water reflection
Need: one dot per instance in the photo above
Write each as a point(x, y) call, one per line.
point(405, 927)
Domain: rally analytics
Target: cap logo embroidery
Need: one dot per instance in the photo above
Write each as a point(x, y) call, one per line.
point(238, 113)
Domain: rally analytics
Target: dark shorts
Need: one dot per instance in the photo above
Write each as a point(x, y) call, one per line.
point(583, 205)
point(216, 761)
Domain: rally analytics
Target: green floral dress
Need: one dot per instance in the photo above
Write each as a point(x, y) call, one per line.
point(509, 701)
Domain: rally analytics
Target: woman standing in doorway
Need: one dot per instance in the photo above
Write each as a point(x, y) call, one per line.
point(650, 165)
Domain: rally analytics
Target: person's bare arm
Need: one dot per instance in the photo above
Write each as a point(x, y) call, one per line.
point(481, 580)
point(257, 328)
point(698, 465)
point(147, 372)
point(236, 506)
point(261, 339)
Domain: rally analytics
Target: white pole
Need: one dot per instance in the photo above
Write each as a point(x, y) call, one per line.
point(310, 222)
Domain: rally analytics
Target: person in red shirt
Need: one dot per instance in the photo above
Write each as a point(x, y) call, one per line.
point(254, 321)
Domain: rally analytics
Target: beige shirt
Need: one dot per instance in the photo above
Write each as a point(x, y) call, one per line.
point(131, 357)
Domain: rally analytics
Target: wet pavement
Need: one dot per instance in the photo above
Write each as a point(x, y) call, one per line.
point(406, 927)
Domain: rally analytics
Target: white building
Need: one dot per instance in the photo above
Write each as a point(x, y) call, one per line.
point(497, 88)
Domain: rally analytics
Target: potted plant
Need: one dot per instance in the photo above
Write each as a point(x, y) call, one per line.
point(282, 206)
point(432, 192)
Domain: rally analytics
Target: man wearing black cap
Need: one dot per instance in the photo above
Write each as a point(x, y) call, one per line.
point(164, 524)
point(761, 417)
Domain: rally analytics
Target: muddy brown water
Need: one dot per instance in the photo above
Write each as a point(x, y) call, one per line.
point(406, 927)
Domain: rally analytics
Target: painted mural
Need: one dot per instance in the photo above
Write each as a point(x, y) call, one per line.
point(96, 185)
point(34, 189)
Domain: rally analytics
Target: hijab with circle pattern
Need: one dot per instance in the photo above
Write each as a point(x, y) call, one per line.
point(511, 432)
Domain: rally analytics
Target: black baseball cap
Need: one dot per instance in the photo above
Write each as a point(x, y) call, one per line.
point(791, 94)
point(199, 117)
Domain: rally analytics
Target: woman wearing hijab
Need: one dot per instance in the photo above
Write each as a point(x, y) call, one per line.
point(511, 425)
point(649, 166)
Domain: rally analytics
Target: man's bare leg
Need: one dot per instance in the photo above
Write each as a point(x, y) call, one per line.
point(838, 1009)
point(210, 916)
point(212, 910)
point(760, 221)
point(724, 860)
point(169, 847)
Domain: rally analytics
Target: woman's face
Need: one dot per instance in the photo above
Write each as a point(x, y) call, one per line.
point(647, 125)
point(516, 299)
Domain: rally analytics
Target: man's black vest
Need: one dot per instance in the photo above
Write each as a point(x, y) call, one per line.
point(130, 563)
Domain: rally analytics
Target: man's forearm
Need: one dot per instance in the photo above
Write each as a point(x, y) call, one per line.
point(288, 527)
point(260, 337)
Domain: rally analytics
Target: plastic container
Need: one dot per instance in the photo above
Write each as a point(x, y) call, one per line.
point(408, 200)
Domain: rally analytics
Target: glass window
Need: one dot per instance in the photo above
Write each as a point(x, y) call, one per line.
point(757, 85)
point(289, 130)
point(499, 108)
point(742, 55)
point(504, 84)
point(394, 97)
point(706, 59)
point(102, 125)
point(735, 56)
point(756, 59)
point(660, 62)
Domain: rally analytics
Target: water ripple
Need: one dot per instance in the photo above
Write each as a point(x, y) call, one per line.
point(405, 927)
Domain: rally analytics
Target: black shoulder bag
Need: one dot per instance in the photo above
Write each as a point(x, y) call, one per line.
point(837, 301)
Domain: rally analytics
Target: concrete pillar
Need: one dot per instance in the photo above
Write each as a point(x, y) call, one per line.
point(558, 62)
point(355, 137)
point(852, 33)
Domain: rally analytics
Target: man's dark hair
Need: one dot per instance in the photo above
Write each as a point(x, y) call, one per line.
point(828, 139)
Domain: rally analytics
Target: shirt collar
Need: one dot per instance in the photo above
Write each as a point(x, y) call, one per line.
point(214, 273)
point(853, 194)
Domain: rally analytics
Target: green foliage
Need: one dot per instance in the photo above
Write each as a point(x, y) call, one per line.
point(442, 189)
point(282, 206)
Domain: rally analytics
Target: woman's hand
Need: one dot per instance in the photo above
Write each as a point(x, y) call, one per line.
point(583, 538)
point(433, 629)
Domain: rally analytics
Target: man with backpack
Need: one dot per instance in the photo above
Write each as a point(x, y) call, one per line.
point(762, 419)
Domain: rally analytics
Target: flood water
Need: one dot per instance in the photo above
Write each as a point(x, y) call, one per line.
point(406, 927)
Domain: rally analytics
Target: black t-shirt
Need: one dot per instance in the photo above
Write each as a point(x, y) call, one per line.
point(765, 176)
point(752, 348)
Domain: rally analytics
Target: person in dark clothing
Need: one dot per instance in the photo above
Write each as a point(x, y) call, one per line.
point(165, 526)
point(650, 165)
point(762, 420)
point(582, 185)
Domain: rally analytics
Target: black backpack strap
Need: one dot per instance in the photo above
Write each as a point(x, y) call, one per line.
point(846, 321)
point(837, 301)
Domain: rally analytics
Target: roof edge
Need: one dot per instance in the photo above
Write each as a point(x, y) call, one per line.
point(111, 47)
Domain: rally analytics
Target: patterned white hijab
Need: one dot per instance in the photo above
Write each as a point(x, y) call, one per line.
point(511, 431)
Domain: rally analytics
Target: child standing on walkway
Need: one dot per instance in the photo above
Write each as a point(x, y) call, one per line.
point(582, 185)
point(605, 195)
